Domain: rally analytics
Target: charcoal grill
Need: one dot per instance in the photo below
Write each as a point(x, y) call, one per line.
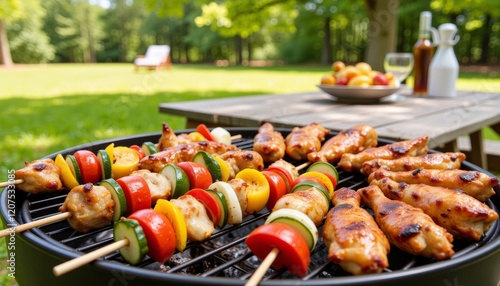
point(224, 259)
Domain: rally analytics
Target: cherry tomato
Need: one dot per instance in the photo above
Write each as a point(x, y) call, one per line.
point(209, 202)
point(159, 233)
point(90, 167)
point(136, 192)
point(277, 188)
point(204, 131)
point(287, 177)
point(293, 250)
point(139, 151)
point(199, 176)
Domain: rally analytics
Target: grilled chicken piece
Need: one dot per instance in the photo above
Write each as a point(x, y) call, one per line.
point(447, 160)
point(311, 202)
point(168, 138)
point(352, 236)
point(159, 185)
point(39, 176)
point(180, 153)
point(473, 183)
point(287, 166)
point(198, 224)
point(269, 143)
point(240, 187)
point(407, 227)
point(91, 207)
point(352, 140)
point(242, 159)
point(460, 214)
point(353, 162)
point(304, 140)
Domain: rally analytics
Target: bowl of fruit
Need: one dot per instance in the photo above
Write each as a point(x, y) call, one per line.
point(358, 83)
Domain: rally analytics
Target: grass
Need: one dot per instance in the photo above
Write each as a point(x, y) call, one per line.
point(47, 108)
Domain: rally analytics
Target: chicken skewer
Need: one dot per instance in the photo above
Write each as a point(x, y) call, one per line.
point(352, 140)
point(407, 227)
point(446, 160)
point(353, 239)
point(476, 184)
point(460, 214)
point(352, 162)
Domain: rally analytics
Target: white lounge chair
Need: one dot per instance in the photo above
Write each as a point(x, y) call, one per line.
point(157, 56)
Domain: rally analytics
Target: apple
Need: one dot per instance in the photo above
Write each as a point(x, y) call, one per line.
point(380, 79)
point(342, 81)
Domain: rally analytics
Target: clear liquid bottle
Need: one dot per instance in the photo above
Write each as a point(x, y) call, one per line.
point(444, 68)
point(422, 54)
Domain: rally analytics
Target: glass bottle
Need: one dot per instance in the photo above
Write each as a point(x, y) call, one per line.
point(422, 54)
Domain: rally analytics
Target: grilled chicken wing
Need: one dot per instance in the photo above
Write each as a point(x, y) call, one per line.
point(159, 185)
point(180, 153)
point(242, 159)
point(311, 202)
point(352, 140)
point(352, 236)
point(407, 227)
point(462, 215)
point(474, 183)
point(353, 162)
point(168, 138)
point(304, 140)
point(198, 224)
point(447, 160)
point(39, 176)
point(269, 143)
point(90, 206)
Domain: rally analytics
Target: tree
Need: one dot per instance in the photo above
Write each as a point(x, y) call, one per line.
point(9, 10)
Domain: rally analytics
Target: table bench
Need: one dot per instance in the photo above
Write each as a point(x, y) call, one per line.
point(398, 117)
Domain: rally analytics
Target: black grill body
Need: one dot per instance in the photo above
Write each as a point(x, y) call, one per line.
point(224, 259)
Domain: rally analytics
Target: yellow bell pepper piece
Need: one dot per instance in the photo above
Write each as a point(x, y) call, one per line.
point(258, 192)
point(196, 137)
point(67, 177)
point(323, 178)
point(125, 161)
point(224, 168)
point(175, 216)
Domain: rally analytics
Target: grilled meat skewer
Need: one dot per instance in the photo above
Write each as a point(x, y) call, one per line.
point(39, 176)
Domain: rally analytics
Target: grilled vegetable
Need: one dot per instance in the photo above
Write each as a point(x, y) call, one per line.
point(178, 179)
point(258, 189)
point(125, 161)
point(106, 165)
point(277, 188)
point(67, 177)
point(120, 208)
point(287, 177)
point(221, 201)
point(136, 192)
point(299, 221)
point(210, 203)
point(323, 178)
point(198, 175)
point(293, 250)
point(326, 168)
point(235, 215)
point(132, 231)
point(206, 160)
point(175, 216)
point(74, 168)
point(221, 135)
point(203, 130)
point(149, 148)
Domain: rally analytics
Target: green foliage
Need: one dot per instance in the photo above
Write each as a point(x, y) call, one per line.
point(28, 43)
point(13, 9)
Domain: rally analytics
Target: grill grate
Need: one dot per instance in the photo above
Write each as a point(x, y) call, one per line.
point(225, 253)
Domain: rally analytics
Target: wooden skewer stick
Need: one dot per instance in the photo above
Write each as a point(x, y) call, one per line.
point(262, 269)
point(89, 257)
point(303, 165)
point(236, 137)
point(33, 224)
point(8, 183)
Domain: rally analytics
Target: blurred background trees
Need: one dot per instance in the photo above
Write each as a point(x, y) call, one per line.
point(238, 31)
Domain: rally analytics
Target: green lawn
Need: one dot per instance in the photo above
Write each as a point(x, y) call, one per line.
point(47, 108)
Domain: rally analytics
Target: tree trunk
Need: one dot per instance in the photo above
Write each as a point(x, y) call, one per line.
point(5, 57)
point(382, 29)
point(485, 41)
point(239, 49)
point(326, 54)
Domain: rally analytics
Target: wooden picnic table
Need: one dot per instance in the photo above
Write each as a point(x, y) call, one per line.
point(398, 117)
